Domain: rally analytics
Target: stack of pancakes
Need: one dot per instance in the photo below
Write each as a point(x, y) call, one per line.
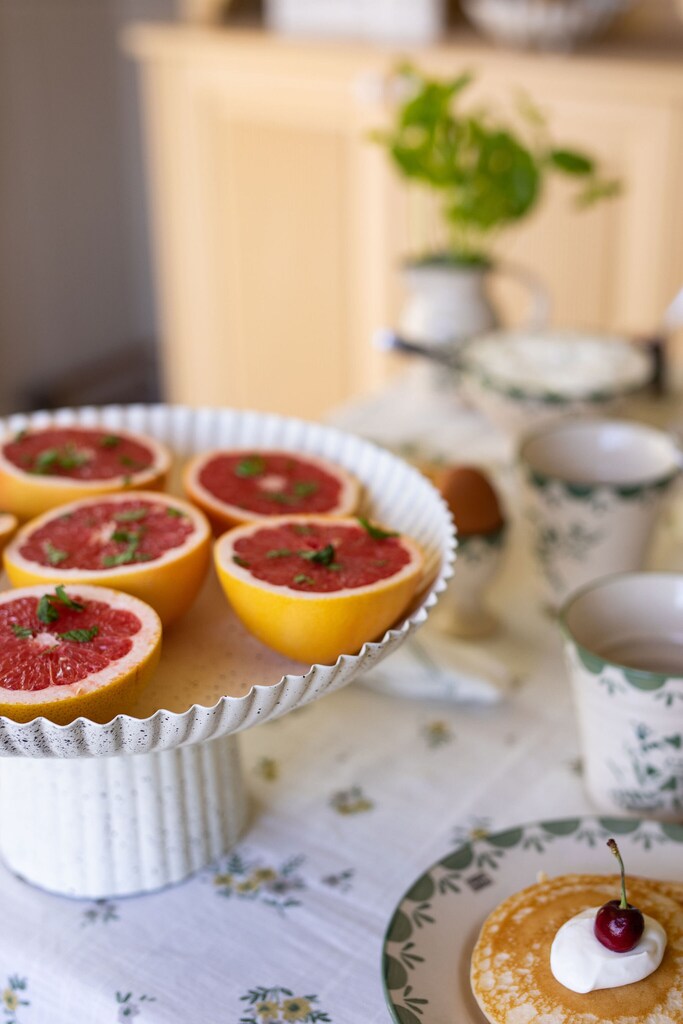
point(510, 972)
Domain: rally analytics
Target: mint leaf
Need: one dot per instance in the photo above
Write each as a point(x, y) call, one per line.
point(240, 561)
point(110, 441)
point(303, 578)
point(130, 463)
point(252, 465)
point(46, 611)
point(23, 632)
point(61, 595)
point(302, 529)
point(130, 515)
point(323, 556)
point(304, 488)
point(45, 460)
point(176, 512)
point(80, 636)
point(278, 553)
point(375, 531)
point(71, 458)
point(53, 554)
point(125, 537)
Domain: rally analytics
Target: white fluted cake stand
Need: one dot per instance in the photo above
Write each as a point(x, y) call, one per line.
point(144, 801)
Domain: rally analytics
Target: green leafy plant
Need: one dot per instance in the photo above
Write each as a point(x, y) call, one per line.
point(488, 176)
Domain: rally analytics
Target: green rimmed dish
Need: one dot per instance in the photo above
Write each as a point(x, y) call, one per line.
point(427, 946)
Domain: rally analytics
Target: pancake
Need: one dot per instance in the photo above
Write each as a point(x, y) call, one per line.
point(510, 970)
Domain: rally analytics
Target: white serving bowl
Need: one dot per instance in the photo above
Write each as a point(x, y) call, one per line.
point(543, 24)
point(521, 380)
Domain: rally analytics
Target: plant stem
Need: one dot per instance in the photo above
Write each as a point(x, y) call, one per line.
point(615, 850)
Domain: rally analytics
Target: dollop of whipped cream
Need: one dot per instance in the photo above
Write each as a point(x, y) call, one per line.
point(580, 962)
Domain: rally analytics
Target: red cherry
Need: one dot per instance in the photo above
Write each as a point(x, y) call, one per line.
point(618, 925)
point(619, 928)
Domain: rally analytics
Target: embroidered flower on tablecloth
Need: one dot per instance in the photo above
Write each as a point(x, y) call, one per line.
point(275, 887)
point(130, 1005)
point(267, 769)
point(437, 734)
point(12, 998)
point(351, 801)
point(275, 1005)
point(101, 912)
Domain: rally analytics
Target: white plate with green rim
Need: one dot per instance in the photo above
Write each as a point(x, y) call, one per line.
point(427, 946)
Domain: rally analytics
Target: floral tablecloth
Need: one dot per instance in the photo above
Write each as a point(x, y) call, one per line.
point(353, 797)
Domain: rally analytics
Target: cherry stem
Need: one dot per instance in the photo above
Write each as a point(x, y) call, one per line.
point(615, 850)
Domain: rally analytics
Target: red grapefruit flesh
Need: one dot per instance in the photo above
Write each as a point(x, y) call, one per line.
point(317, 587)
point(76, 651)
point(42, 468)
point(235, 487)
point(151, 545)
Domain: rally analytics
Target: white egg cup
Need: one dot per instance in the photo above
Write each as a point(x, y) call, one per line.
point(462, 611)
point(138, 804)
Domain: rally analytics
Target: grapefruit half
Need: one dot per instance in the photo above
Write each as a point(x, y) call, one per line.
point(72, 651)
point(243, 486)
point(42, 468)
point(151, 545)
point(315, 587)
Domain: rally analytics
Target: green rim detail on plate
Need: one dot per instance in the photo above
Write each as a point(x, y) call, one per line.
point(471, 868)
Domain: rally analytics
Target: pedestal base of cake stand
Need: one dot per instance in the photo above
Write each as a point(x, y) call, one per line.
point(96, 827)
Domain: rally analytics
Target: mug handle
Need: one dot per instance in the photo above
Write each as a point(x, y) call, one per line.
point(539, 313)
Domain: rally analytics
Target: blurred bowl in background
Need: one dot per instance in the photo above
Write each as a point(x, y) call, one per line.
point(543, 24)
point(520, 379)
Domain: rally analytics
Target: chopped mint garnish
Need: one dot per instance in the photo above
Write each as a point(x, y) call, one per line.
point(20, 435)
point(176, 512)
point(46, 611)
point(130, 463)
point(252, 465)
point(303, 578)
point(45, 460)
point(304, 488)
point(61, 595)
point(302, 529)
point(110, 441)
point(130, 515)
point(375, 531)
point(71, 458)
point(80, 636)
point(23, 632)
point(279, 553)
point(125, 537)
point(240, 561)
point(53, 554)
point(323, 556)
point(54, 458)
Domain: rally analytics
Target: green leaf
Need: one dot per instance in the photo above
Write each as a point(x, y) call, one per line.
point(125, 537)
point(323, 556)
point(23, 632)
point(62, 596)
point(71, 458)
point(376, 532)
point(304, 488)
point(53, 554)
point(46, 611)
point(303, 578)
point(45, 460)
point(252, 465)
point(131, 515)
point(278, 553)
point(110, 441)
point(80, 636)
point(570, 162)
point(597, 190)
point(177, 513)
point(130, 463)
point(241, 561)
point(302, 529)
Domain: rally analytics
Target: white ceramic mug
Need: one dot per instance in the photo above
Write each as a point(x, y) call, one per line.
point(624, 648)
point(591, 494)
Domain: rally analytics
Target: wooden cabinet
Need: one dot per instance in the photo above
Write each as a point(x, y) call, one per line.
point(279, 229)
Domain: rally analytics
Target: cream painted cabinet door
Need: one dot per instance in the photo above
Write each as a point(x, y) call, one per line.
point(262, 187)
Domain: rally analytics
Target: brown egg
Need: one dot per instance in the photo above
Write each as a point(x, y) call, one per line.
point(472, 500)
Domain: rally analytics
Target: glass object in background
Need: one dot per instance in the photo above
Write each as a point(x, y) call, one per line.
point(543, 24)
